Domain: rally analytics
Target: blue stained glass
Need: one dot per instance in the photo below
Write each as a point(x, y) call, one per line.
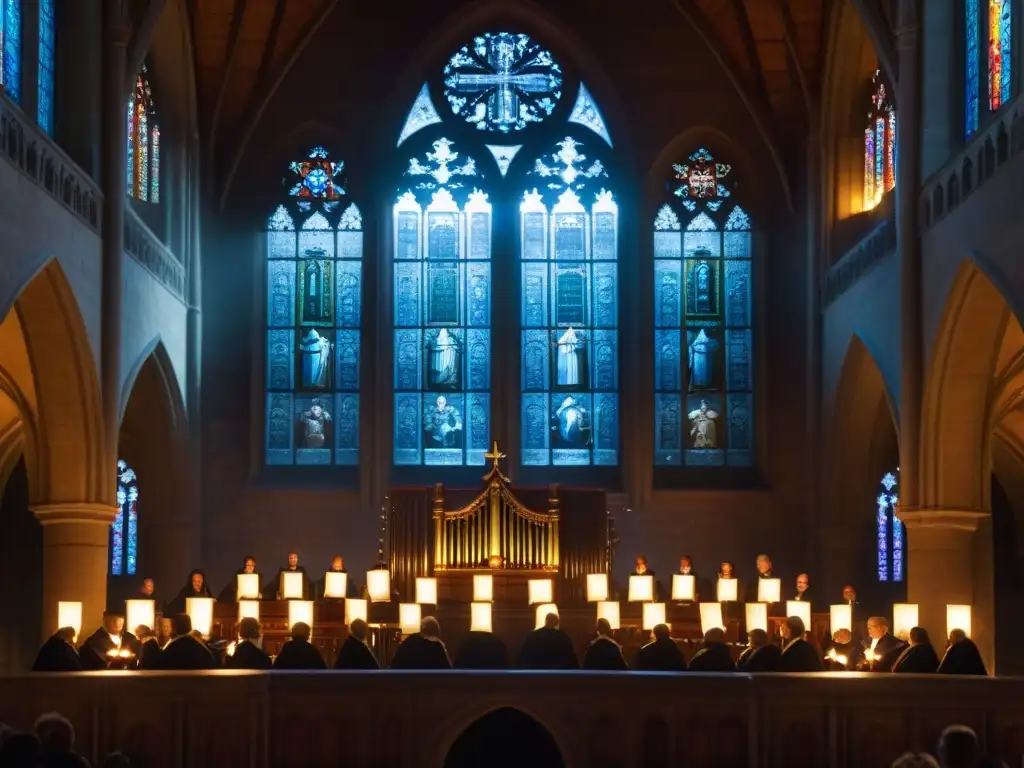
point(124, 531)
point(46, 67)
point(668, 441)
point(420, 116)
point(889, 530)
point(971, 66)
point(12, 49)
point(586, 113)
point(1006, 50)
point(346, 429)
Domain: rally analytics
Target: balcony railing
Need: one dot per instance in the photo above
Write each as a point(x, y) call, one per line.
point(860, 259)
point(142, 245)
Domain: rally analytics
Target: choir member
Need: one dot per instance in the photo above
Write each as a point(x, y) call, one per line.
point(293, 565)
point(760, 655)
point(195, 587)
point(686, 568)
point(423, 650)
point(843, 653)
point(94, 651)
point(883, 649)
point(58, 654)
point(850, 596)
point(164, 630)
point(338, 566)
point(603, 652)
point(355, 652)
point(248, 653)
point(962, 656)
point(918, 657)
point(299, 653)
point(726, 570)
point(641, 568)
point(764, 571)
point(149, 655)
point(715, 655)
point(548, 647)
point(183, 651)
point(482, 650)
point(661, 654)
point(798, 655)
point(148, 592)
point(230, 593)
point(803, 588)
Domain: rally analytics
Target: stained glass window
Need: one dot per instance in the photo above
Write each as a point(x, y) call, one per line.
point(10, 48)
point(569, 227)
point(1000, 49)
point(314, 317)
point(889, 529)
point(972, 89)
point(143, 161)
point(703, 374)
point(879, 145)
point(124, 531)
point(46, 53)
point(442, 311)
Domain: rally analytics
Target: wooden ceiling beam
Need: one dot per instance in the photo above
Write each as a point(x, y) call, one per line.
point(231, 48)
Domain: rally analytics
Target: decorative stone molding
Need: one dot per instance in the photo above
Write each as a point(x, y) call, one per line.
point(946, 519)
point(75, 512)
point(142, 245)
point(861, 259)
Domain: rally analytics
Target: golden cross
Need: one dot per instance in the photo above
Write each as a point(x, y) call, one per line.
point(495, 455)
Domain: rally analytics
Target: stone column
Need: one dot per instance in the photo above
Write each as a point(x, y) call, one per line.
point(79, 32)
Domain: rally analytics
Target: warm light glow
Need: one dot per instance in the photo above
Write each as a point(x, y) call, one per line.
point(654, 614)
point(483, 587)
point(542, 611)
point(684, 587)
point(378, 585)
point(300, 610)
point(837, 657)
point(904, 618)
point(249, 609)
point(200, 610)
point(356, 609)
point(69, 614)
point(597, 587)
point(641, 588)
point(769, 590)
point(480, 617)
point(138, 613)
point(840, 617)
point(248, 586)
point(800, 608)
point(230, 650)
point(757, 616)
point(335, 584)
point(711, 616)
point(958, 617)
point(728, 591)
point(607, 609)
point(541, 591)
point(426, 590)
point(409, 617)
point(291, 585)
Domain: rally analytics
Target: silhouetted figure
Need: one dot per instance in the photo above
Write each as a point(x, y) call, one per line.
point(424, 650)
point(230, 592)
point(299, 653)
point(882, 648)
point(958, 747)
point(919, 657)
point(714, 656)
point(195, 587)
point(21, 749)
point(149, 655)
point(95, 651)
point(760, 655)
point(962, 656)
point(57, 737)
point(798, 655)
point(355, 652)
point(276, 585)
point(547, 648)
point(248, 653)
point(58, 654)
point(183, 651)
point(603, 652)
point(661, 654)
point(482, 650)
point(843, 653)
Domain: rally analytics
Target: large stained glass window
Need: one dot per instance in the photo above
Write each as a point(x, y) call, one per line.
point(1000, 50)
point(314, 316)
point(879, 145)
point(442, 311)
point(124, 531)
point(988, 38)
point(569, 224)
point(889, 529)
point(47, 31)
point(703, 376)
point(10, 48)
point(972, 88)
point(143, 166)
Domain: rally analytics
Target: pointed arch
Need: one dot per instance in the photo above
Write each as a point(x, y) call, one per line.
point(449, 732)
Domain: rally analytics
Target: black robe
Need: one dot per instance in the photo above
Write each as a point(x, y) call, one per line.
point(800, 656)
point(920, 659)
point(247, 655)
point(887, 651)
point(230, 592)
point(93, 651)
point(355, 654)
point(299, 654)
point(714, 657)
point(351, 588)
point(804, 597)
point(962, 658)
point(547, 648)
point(852, 651)
point(661, 655)
point(185, 653)
point(179, 603)
point(751, 589)
point(273, 587)
point(482, 650)
point(763, 658)
point(421, 652)
point(149, 656)
point(604, 653)
point(57, 655)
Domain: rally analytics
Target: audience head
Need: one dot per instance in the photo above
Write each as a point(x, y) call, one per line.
point(55, 732)
point(725, 570)
point(301, 631)
point(148, 586)
point(67, 634)
point(685, 562)
point(249, 629)
point(919, 636)
point(196, 634)
point(113, 622)
point(197, 578)
point(293, 559)
point(957, 636)
point(850, 593)
point(714, 635)
point(795, 628)
point(803, 581)
point(641, 564)
point(181, 624)
point(117, 760)
point(358, 629)
point(764, 563)
point(551, 621)
point(757, 638)
point(21, 749)
point(142, 632)
point(662, 632)
point(249, 565)
point(842, 636)
point(338, 563)
point(604, 627)
point(430, 627)
point(920, 760)
point(165, 627)
point(877, 627)
point(958, 747)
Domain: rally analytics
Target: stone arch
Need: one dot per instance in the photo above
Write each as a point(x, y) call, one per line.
point(450, 731)
point(534, 743)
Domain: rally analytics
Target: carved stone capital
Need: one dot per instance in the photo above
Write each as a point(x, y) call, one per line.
point(75, 512)
point(966, 520)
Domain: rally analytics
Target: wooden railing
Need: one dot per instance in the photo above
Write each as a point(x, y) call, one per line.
point(142, 245)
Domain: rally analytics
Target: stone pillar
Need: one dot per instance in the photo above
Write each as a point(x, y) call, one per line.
point(75, 538)
point(79, 68)
point(191, 205)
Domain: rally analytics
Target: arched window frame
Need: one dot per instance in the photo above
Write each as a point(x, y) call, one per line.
point(124, 531)
point(890, 539)
point(10, 48)
point(879, 144)
point(143, 142)
point(988, 51)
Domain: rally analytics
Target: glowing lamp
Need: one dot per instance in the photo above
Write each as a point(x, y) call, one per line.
point(840, 617)
point(607, 609)
point(200, 610)
point(335, 584)
point(480, 617)
point(769, 590)
point(757, 616)
point(249, 609)
point(300, 610)
point(800, 608)
point(378, 584)
point(426, 590)
point(540, 591)
point(958, 617)
point(641, 588)
point(291, 585)
point(356, 609)
point(904, 618)
point(684, 587)
point(483, 587)
point(139, 612)
point(653, 615)
point(711, 617)
point(542, 612)
point(248, 586)
point(69, 614)
point(597, 587)
point(409, 617)
point(728, 591)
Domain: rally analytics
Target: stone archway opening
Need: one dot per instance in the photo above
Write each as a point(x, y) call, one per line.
point(505, 737)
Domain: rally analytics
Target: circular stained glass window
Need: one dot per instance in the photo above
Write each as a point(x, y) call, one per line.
point(502, 82)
